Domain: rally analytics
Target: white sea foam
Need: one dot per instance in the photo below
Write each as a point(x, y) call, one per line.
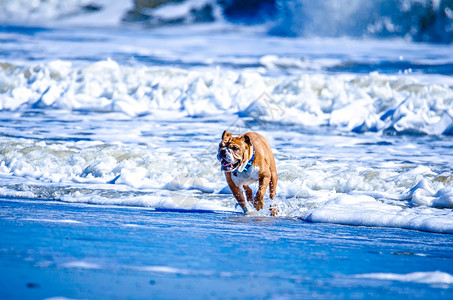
point(68, 221)
point(170, 270)
point(64, 12)
point(365, 210)
point(80, 264)
point(359, 103)
point(435, 278)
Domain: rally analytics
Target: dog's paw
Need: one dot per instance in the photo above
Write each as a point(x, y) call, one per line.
point(258, 205)
point(273, 210)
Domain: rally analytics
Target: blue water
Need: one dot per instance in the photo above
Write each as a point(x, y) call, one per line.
point(205, 255)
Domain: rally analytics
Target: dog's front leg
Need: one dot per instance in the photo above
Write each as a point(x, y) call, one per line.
point(248, 193)
point(237, 192)
point(264, 179)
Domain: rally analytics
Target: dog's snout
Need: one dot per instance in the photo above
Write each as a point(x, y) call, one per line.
point(221, 154)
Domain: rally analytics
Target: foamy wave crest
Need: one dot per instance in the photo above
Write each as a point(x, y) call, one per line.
point(359, 103)
point(419, 20)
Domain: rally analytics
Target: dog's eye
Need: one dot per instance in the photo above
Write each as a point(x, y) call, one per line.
point(235, 148)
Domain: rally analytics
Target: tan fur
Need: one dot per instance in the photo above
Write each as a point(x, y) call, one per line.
point(263, 162)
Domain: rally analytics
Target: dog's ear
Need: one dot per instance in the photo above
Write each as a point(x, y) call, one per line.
point(247, 140)
point(226, 135)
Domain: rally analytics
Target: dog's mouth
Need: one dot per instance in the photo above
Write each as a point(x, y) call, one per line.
point(228, 166)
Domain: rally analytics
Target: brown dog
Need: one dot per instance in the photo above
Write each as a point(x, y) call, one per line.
point(246, 159)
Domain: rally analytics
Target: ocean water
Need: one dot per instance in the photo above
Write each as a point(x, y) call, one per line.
point(110, 187)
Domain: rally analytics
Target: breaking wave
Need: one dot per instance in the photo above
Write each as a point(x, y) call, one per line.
point(416, 20)
point(357, 103)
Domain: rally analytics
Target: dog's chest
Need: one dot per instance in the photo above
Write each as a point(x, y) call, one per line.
point(246, 178)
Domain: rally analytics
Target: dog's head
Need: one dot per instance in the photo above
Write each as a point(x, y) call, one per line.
point(233, 151)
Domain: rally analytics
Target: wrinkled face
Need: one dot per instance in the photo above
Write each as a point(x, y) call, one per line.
point(232, 151)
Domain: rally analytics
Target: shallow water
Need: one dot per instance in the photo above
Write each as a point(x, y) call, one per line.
point(52, 249)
